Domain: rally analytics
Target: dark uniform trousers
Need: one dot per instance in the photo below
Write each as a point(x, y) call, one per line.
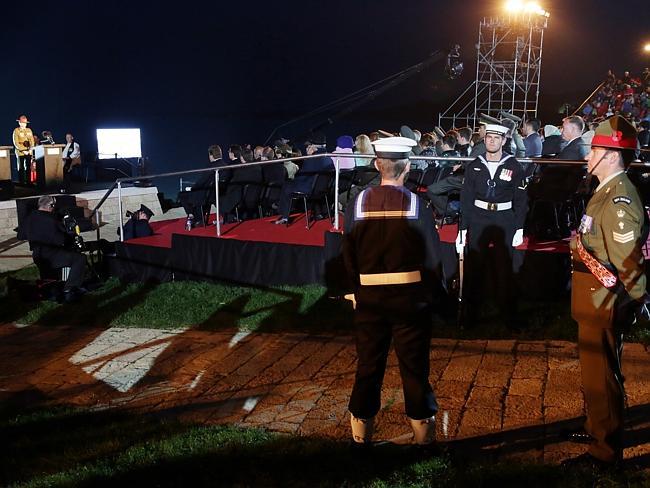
point(489, 243)
point(24, 169)
point(599, 345)
point(56, 257)
point(379, 318)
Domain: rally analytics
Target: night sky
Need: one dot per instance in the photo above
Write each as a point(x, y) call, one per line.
point(192, 74)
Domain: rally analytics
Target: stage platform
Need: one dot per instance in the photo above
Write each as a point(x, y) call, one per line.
point(257, 252)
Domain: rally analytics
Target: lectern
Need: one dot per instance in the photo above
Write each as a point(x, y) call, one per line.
point(5, 162)
point(49, 165)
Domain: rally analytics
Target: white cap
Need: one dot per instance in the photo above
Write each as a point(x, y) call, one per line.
point(496, 129)
point(551, 130)
point(393, 147)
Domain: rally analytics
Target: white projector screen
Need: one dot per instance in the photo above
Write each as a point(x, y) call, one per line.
point(123, 142)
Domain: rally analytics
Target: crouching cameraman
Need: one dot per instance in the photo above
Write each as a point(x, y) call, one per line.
point(138, 223)
point(48, 241)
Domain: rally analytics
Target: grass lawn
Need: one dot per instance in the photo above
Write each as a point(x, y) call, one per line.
point(214, 306)
point(66, 447)
point(217, 305)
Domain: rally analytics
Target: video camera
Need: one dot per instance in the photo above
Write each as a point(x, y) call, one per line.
point(72, 229)
point(454, 66)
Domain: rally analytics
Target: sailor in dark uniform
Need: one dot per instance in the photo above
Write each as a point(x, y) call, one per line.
point(138, 224)
point(493, 209)
point(391, 252)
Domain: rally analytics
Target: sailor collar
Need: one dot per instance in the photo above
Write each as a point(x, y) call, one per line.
point(503, 159)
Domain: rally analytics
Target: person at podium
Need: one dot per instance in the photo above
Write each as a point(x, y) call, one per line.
point(71, 156)
point(23, 139)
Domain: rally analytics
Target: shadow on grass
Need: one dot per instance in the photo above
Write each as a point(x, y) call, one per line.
point(68, 447)
point(219, 306)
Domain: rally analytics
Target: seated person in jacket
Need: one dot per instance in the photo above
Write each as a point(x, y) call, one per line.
point(450, 177)
point(304, 178)
point(48, 241)
point(246, 175)
point(138, 224)
point(463, 145)
point(553, 142)
point(201, 195)
point(532, 139)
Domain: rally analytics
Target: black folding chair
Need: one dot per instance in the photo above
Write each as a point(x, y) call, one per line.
point(364, 175)
point(274, 177)
point(430, 175)
point(250, 200)
point(346, 179)
point(414, 179)
point(320, 190)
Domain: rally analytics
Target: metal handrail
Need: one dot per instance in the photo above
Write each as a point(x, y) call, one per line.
point(334, 156)
point(602, 83)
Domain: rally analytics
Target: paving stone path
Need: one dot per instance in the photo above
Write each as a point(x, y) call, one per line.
point(502, 397)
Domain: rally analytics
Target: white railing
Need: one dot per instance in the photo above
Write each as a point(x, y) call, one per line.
point(335, 157)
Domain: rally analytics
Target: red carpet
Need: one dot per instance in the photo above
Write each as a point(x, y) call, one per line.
point(259, 230)
point(263, 230)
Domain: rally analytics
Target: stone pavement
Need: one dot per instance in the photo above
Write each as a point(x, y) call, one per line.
point(504, 398)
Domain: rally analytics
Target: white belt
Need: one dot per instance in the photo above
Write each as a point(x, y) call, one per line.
point(390, 278)
point(496, 207)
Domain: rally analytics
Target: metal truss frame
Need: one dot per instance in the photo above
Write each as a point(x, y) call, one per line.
point(508, 71)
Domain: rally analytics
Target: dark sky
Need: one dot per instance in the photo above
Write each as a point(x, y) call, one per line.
point(191, 74)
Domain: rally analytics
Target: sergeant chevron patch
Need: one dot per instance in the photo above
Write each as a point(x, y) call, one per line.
point(623, 238)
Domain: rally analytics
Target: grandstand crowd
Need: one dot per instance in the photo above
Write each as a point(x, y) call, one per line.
point(557, 192)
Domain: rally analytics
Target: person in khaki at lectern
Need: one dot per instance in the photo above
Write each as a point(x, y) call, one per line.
point(23, 144)
point(608, 289)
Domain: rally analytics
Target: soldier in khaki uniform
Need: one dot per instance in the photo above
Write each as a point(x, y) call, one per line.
point(608, 287)
point(23, 144)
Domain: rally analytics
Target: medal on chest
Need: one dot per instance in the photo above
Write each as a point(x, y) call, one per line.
point(586, 224)
point(505, 175)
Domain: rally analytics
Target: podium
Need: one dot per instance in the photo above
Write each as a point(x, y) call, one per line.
point(5, 162)
point(49, 165)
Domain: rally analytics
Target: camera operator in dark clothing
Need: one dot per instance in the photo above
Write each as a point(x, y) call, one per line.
point(138, 224)
point(48, 239)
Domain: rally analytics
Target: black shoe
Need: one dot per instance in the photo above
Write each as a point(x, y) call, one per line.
point(577, 436)
point(70, 296)
point(587, 462)
point(450, 220)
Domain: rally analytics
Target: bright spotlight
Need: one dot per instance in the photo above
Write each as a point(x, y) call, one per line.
point(646, 48)
point(514, 6)
point(520, 6)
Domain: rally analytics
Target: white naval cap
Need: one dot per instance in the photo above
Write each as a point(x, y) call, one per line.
point(496, 129)
point(394, 147)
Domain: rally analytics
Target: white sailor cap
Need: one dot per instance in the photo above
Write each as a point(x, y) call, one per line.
point(394, 147)
point(496, 129)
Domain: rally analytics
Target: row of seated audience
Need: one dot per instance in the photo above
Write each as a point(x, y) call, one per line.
point(273, 189)
point(628, 96)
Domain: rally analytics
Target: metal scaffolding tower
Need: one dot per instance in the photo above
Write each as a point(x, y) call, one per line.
point(508, 69)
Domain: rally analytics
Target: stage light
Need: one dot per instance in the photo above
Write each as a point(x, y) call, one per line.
point(646, 48)
point(520, 6)
point(118, 143)
point(514, 6)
